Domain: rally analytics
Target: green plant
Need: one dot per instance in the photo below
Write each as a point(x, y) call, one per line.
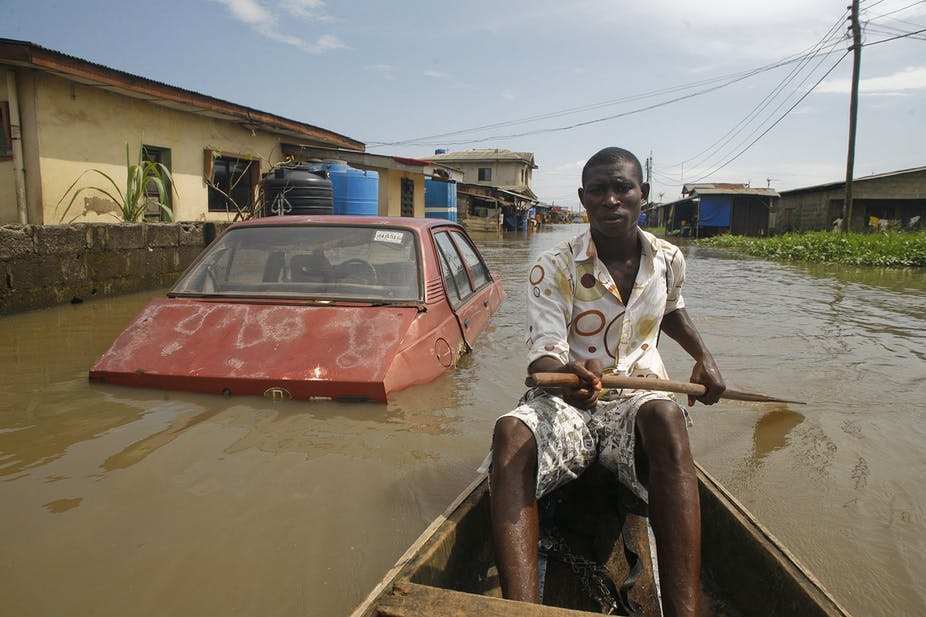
point(132, 199)
point(893, 249)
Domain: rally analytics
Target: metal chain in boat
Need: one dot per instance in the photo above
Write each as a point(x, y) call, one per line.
point(593, 576)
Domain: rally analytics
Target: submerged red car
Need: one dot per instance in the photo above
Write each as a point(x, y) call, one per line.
point(306, 307)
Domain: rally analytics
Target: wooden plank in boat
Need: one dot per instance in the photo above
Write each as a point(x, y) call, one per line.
point(413, 600)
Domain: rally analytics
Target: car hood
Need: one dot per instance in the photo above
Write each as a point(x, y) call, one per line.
point(278, 350)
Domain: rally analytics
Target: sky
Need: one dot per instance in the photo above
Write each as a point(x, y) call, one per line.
point(712, 91)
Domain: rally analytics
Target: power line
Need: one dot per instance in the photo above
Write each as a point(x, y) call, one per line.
point(778, 107)
point(894, 38)
point(888, 31)
point(909, 6)
point(782, 117)
point(741, 125)
point(726, 81)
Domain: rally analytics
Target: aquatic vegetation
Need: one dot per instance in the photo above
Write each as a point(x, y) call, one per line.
point(892, 249)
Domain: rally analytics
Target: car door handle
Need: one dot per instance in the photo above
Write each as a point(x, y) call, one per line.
point(485, 303)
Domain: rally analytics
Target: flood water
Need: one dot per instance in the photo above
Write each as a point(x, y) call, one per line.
point(119, 502)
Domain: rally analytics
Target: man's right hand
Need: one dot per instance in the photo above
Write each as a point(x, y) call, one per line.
point(582, 396)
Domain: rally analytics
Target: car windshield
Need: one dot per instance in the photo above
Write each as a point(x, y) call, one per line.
point(317, 262)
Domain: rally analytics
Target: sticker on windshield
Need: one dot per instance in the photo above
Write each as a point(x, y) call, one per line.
point(395, 237)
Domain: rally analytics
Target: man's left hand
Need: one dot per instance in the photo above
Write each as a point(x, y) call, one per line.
point(706, 373)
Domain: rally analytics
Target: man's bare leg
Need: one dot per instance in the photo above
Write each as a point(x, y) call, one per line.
point(674, 506)
point(514, 509)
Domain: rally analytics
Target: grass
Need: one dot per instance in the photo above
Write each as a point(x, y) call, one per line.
point(892, 249)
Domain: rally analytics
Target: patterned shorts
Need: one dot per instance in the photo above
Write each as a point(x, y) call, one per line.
point(570, 439)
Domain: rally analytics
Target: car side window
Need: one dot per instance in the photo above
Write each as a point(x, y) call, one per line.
point(471, 257)
point(453, 269)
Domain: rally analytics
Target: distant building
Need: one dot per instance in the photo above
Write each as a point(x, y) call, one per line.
point(495, 191)
point(712, 208)
point(896, 196)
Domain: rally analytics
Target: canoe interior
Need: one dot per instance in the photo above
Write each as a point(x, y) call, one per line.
point(450, 569)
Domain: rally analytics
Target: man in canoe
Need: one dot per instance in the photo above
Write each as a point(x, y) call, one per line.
point(597, 303)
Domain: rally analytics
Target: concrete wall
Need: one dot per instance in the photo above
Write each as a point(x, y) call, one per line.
point(47, 265)
point(390, 192)
point(69, 128)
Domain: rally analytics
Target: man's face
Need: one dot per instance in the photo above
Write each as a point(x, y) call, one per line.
point(612, 196)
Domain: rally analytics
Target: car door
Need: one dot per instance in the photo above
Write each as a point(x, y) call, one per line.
point(473, 294)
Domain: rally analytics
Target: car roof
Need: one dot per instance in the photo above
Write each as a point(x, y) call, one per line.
point(419, 224)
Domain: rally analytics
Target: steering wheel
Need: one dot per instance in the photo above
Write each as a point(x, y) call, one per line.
point(356, 270)
point(213, 278)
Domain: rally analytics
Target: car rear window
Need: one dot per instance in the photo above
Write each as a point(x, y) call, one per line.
point(320, 262)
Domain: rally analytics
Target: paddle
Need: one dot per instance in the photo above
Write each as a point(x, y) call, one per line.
point(552, 380)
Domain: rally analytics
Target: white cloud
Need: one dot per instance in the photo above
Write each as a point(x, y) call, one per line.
point(307, 9)
point(327, 42)
point(509, 94)
point(911, 78)
point(265, 21)
point(385, 70)
point(248, 11)
point(436, 74)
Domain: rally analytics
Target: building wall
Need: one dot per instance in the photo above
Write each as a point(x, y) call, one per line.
point(505, 173)
point(466, 216)
point(390, 192)
point(70, 128)
point(815, 209)
point(8, 209)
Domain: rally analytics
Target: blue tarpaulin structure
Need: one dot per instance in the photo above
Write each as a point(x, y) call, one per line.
point(715, 210)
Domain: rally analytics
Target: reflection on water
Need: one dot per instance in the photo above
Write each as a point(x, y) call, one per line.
point(146, 502)
point(771, 432)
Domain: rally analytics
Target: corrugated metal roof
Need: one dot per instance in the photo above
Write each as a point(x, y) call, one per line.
point(24, 53)
point(726, 188)
point(490, 154)
point(741, 190)
point(829, 185)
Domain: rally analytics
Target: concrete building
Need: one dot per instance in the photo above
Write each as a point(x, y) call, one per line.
point(61, 116)
point(897, 196)
point(495, 191)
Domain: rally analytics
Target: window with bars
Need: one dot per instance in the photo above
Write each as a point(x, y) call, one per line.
point(233, 182)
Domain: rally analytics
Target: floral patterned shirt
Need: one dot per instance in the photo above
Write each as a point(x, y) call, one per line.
point(575, 311)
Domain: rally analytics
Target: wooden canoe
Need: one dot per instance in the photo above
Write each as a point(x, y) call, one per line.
point(449, 571)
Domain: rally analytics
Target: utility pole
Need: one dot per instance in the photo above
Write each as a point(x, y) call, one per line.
point(649, 172)
point(853, 112)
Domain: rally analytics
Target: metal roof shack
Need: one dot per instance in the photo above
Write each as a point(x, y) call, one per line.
point(714, 208)
point(897, 197)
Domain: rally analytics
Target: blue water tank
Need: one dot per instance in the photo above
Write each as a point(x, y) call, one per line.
point(440, 200)
point(355, 191)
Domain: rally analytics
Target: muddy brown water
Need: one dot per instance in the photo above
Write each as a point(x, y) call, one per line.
point(118, 501)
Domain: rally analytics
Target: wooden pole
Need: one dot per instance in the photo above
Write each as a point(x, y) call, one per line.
point(554, 380)
point(853, 113)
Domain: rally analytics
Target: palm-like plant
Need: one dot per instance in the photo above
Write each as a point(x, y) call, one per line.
point(134, 200)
